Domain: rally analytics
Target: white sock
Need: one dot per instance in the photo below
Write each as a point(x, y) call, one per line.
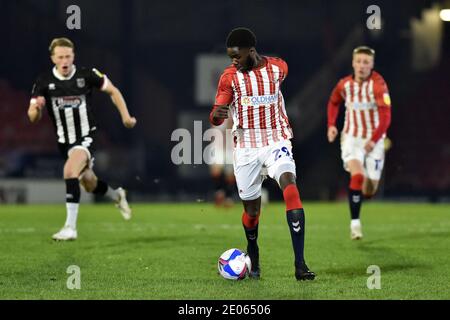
point(72, 214)
point(355, 222)
point(112, 194)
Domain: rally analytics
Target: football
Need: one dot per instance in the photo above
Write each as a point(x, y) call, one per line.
point(234, 264)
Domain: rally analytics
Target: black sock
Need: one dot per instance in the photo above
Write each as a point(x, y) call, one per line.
point(252, 246)
point(354, 200)
point(72, 190)
point(252, 235)
point(296, 223)
point(101, 188)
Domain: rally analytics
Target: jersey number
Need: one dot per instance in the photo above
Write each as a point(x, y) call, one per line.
point(377, 164)
point(281, 152)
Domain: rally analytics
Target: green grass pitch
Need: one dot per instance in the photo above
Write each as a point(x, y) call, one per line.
point(170, 251)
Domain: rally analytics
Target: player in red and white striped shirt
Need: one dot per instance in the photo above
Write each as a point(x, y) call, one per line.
point(249, 91)
point(367, 118)
point(256, 103)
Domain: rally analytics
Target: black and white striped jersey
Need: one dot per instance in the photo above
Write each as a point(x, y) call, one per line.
point(68, 101)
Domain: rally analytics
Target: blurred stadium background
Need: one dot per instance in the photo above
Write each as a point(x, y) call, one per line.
point(166, 57)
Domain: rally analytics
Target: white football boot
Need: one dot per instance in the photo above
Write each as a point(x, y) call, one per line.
point(122, 204)
point(356, 231)
point(66, 233)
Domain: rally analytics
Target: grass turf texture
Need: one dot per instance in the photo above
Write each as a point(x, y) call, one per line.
point(170, 251)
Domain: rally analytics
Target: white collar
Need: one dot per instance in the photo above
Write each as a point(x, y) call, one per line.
point(61, 77)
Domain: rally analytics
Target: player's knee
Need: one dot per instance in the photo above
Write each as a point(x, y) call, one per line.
point(252, 207)
point(252, 211)
point(70, 173)
point(285, 175)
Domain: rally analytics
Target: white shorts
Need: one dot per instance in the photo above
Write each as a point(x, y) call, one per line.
point(353, 149)
point(251, 165)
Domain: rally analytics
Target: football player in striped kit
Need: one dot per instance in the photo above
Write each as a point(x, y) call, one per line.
point(367, 118)
point(249, 92)
point(66, 92)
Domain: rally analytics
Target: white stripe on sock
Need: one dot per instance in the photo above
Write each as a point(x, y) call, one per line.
point(72, 214)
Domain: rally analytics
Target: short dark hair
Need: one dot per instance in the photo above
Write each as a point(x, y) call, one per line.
point(364, 49)
point(241, 37)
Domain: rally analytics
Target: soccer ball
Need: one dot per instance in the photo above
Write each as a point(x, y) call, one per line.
point(234, 264)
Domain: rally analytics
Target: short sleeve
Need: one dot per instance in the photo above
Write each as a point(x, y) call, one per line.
point(284, 68)
point(97, 79)
point(39, 88)
point(280, 63)
point(381, 92)
point(336, 96)
point(224, 93)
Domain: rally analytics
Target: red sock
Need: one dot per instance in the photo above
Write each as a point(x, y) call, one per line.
point(292, 197)
point(356, 182)
point(250, 221)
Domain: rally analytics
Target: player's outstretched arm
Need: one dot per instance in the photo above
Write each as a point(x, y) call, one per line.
point(118, 100)
point(35, 109)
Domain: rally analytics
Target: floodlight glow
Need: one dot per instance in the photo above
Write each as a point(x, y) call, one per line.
point(445, 14)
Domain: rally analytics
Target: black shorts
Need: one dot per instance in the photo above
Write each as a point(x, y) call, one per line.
point(85, 143)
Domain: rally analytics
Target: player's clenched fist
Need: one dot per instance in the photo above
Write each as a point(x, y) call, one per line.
point(38, 102)
point(332, 133)
point(34, 111)
point(221, 112)
point(129, 122)
point(368, 147)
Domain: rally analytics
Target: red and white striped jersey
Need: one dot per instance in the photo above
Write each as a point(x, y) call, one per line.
point(367, 106)
point(256, 103)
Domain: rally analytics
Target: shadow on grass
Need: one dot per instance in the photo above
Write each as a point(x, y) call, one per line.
point(412, 235)
point(387, 258)
point(360, 270)
point(130, 242)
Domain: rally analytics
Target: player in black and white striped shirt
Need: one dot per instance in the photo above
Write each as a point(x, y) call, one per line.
point(66, 93)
